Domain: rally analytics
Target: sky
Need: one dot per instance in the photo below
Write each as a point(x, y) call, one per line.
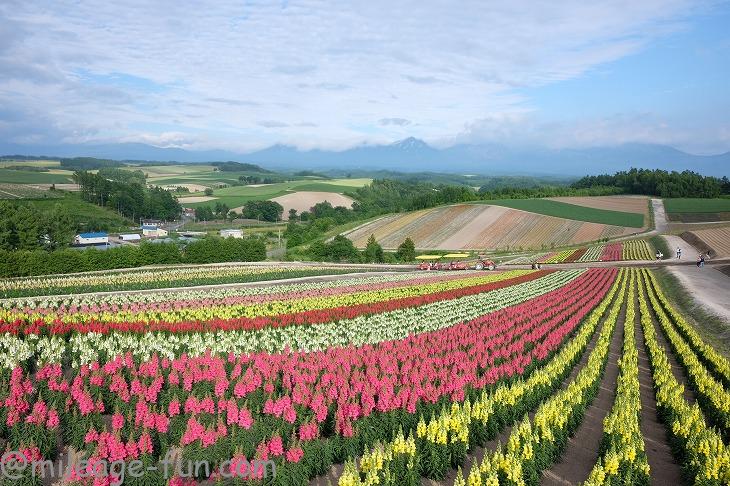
point(243, 75)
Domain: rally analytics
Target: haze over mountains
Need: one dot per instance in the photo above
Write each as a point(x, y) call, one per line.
point(414, 155)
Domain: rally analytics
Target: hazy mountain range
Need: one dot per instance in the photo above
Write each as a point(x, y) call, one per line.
point(414, 155)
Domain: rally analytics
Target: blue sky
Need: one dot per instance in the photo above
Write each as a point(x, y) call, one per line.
point(245, 75)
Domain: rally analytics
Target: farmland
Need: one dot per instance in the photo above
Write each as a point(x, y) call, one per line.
point(236, 196)
point(715, 240)
point(580, 212)
point(628, 250)
point(401, 376)
point(697, 210)
point(478, 226)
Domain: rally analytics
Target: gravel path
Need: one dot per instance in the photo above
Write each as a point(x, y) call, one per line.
point(709, 287)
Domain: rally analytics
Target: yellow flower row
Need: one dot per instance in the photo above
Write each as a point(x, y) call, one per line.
point(270, 308)
point(713, 396)
point(715, 360)
point(706, 457)
point(377, 463)
point(625, 443)
point(560, 256)
point(636, 250)
point(453, 423)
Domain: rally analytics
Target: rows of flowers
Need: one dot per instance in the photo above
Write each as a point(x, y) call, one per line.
point(363, 329)
point(303, 410)
point(636, 250)
point(174, 311)
point(442, 441)
point(133, 279)
point(535, 444)
point(704, 456)
point(623, 457)
point(711, 394)
point(718, 364)
point(612, 252)
point(220, 294)
point(592, 254)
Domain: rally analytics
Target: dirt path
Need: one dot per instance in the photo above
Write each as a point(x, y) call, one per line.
point(583, 447)
point(709, 287)
point(664, 468)
point(660, 216)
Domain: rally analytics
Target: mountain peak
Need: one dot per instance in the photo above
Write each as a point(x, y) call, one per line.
point(410, 143)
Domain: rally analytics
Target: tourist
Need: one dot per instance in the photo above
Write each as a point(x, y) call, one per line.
point(679, 253)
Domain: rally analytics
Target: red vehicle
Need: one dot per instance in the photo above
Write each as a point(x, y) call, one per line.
point(429, 266)
point(484, 263)
point(457, 266)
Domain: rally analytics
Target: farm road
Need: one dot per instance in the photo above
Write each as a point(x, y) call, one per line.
point(708, 286)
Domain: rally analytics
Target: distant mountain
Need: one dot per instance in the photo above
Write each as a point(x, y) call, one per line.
point(414, 155)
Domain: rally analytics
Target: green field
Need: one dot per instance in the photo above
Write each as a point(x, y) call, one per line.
point(572, 211)
point(25, 191)
point(687, 205)
point(236, 196)
point(30, 163)
point(83, 212)
point(29, 177)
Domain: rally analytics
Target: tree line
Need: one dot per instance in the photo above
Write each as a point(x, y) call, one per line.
point(20, 263)
point(129, 197)
point(659, 183)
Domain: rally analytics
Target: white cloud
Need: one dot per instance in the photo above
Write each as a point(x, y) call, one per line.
point(243, 75)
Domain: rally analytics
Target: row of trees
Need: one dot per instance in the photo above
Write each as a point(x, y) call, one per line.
point(130, 198)
point(341, 249)
point(659, 183)
point(21, 263)
point(25, 227)
point(270, 211)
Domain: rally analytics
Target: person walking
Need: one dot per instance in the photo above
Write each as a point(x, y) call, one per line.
point(702, 260)
point(679, 253)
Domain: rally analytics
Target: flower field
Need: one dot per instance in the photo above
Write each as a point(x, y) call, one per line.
point(398, 377)
point(157, 278)
point(628, 250)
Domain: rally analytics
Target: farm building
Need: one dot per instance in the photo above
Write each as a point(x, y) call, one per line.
point(153, 231)
point(99, 238)
point(231, 233)
point(130, 237)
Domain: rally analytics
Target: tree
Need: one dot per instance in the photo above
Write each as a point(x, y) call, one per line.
point(373, 251)
point(263, 210)
point(406, 251)
point(292, 214)
point(203, 213)
point(208, 191)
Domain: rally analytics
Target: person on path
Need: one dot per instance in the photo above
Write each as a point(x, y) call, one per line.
point(702, 260)
point(679, 253)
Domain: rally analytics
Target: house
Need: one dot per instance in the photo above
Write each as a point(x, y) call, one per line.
point(153, 231)
point(231, 233)
point(99, 238)
point(130, 237)
point(189, 212)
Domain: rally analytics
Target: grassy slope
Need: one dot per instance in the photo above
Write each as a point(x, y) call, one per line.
point(687, 205)
point(82, 211)
point(572, 211)
point(29, 177)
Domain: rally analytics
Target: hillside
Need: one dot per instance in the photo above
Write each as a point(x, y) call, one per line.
point(482, 227)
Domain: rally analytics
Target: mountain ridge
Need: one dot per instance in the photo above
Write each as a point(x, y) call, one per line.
point(414, 155)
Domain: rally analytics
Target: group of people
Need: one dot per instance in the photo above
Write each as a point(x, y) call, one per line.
point(700, 258)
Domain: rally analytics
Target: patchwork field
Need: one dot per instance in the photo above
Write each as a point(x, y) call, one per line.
point(579, 212)
point(480, 227)
point(236, 196)
point(626, 204)
point(716, 239)
point(377, 379)
point(24, 191)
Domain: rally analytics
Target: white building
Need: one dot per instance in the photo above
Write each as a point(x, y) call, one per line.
point(130, 237)
point(91, 239)
point(231, 233)
point(153, 231)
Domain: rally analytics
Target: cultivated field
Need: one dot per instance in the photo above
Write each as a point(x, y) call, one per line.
point(24, 191)
point(626, 204)
point(399, 377)
point(717, 240)
point(479, 227)
point(304, 200)
point(236, 196)
point(697, 210)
